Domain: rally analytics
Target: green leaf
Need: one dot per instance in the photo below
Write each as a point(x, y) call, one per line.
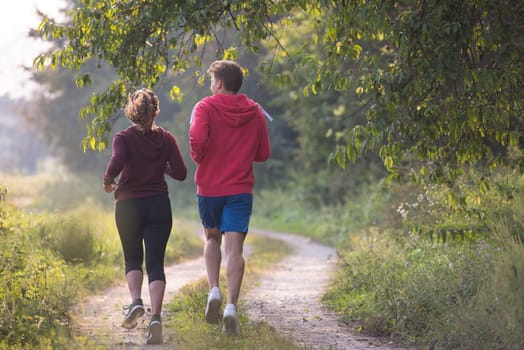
point(176, 93)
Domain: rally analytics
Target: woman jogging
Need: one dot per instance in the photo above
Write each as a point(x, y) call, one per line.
point(141, 155)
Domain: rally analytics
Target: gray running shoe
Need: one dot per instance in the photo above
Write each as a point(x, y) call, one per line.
point(154, 335)
point(214, 303)
point(132, 312)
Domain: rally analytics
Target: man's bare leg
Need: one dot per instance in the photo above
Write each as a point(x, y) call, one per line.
point(213, 255)
point(213, 258)
point(234, 248)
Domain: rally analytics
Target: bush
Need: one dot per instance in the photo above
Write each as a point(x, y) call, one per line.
point(78, 234)
point(472, 206)
point(36, 287)
point(455, 279)
point(288, 211)
point(406, 287)
point(494, 318)
point(85, 237)
point(49, 261)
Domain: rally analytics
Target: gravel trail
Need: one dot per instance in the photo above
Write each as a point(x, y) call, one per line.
point(287, 298)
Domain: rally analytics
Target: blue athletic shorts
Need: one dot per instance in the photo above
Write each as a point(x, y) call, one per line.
point(229, 213)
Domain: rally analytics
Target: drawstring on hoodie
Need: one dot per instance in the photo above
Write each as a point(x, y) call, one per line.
point(266, 114)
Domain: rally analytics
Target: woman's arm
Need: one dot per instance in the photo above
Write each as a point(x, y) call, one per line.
point(175, 167)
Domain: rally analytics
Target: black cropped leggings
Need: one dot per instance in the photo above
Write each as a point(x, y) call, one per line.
point(145, 222)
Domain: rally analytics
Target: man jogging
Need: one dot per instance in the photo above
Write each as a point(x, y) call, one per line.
point(228, 133)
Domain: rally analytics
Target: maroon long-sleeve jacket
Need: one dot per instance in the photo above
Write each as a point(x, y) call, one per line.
point(140, 160)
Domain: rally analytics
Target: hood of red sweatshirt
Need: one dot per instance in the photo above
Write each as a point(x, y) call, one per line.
point(236, 110)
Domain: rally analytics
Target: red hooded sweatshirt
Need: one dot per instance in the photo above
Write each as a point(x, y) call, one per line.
point(227, 134)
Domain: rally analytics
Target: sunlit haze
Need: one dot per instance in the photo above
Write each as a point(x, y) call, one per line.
point(18, 49)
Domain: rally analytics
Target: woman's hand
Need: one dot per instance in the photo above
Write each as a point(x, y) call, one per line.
point(110, 188)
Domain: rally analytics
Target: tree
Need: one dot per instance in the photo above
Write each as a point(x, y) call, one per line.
point(53, 113)
point(145, 40)
point(447, 88)
point(319, 111)
point(440, 82)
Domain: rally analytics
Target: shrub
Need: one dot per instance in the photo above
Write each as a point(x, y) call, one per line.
point(457, 281)
point(36, 288)
point(494, 318)
point(287, 211)
point(80, 235)
point(73, 239)
point(49, 261)
point(406, 287)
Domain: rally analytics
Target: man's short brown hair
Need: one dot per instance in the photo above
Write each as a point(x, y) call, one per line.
point(229, 72)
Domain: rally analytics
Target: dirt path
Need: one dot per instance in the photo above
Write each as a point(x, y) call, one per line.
point(288, 298)
point(99, 317)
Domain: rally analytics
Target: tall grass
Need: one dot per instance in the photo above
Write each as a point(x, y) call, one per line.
point(36, 286)
point(494, 317)
point(406, 287)
point(412, 264)
point(430, 265)
point(53, 258)
point(286, 210)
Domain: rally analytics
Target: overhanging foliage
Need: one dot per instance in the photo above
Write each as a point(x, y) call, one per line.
point(440, 82)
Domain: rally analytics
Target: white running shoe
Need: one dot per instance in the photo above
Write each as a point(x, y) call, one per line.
point(214, 303)
point(231, 323)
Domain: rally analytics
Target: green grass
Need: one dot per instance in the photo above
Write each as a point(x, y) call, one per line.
point(25, 190)
point(36, 287)
point(53, 258)
point(493, 319)
point(184, 242)
point(286, 211)
point(186, 328)
point(59, 256)
point(463, 291)
point(416, 266)
point(406, 287)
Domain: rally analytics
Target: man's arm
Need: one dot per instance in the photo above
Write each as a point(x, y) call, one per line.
point(199, 132)
point(264, 147)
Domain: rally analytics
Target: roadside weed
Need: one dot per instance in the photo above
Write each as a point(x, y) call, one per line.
point(186, 327)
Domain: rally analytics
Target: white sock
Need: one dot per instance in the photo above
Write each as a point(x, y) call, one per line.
point(231, 307)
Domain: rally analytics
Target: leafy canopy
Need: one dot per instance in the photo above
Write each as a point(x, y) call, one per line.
point(440, 82)
point(146, 41)
point(447, 86)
